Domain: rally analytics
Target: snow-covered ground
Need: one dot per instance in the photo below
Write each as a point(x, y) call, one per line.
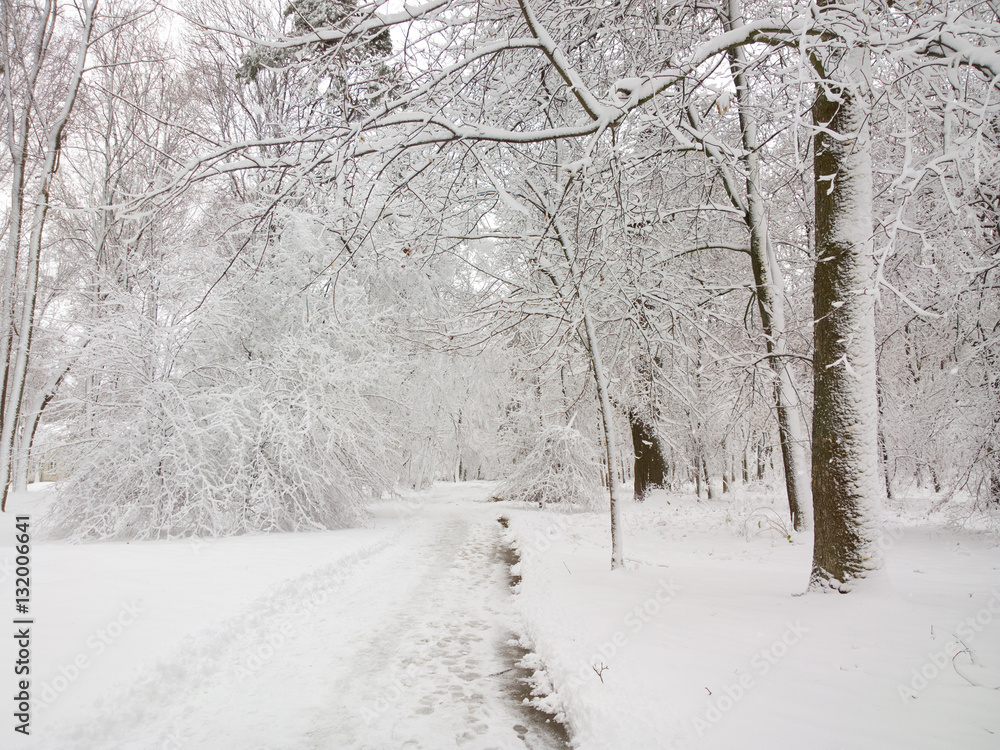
point(389, 637)
point(707, 642)
point(394, 636)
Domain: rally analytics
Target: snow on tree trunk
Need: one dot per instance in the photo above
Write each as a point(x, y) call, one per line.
point(794, 439)
point(847, 493)
point(649, 464)
point(19, 479)
point(770, 288)
point(610, 438)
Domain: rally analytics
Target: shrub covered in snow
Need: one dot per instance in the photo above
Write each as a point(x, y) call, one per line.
point(562, 468)
point(268, 413)
point(217, 463)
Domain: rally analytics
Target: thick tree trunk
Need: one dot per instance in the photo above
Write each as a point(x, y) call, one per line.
point(650, 467)
point(847, 494)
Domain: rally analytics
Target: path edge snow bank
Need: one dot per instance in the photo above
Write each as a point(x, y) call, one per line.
point(539, 623)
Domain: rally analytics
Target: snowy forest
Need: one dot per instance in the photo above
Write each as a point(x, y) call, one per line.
point(271, 264)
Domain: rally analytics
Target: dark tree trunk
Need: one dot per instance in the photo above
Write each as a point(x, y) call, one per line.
point(883, 447)
point(847, 494)
point(761, 461)
point(650, 466)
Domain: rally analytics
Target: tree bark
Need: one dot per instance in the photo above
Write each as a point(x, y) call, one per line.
point(847, 494)
point(610, 436)
point(650, 467)
point(26, 440)
point(883, 446)
point(17, 128)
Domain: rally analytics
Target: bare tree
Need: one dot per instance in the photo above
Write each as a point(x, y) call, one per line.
point(28, 47)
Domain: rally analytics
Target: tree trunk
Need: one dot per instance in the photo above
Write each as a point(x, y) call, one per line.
point(769, 289)
point(847, 494)
point(761, 462)
point(18, 126)
point(19, 465)
point(16, 372)
point(883, 447)
point(610, 438)
point(650, 467)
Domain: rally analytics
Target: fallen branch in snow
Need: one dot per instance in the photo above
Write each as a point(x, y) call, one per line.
point(767, 519)
point(978, 671)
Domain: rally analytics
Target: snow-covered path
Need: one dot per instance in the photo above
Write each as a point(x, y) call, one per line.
point(398, 646)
